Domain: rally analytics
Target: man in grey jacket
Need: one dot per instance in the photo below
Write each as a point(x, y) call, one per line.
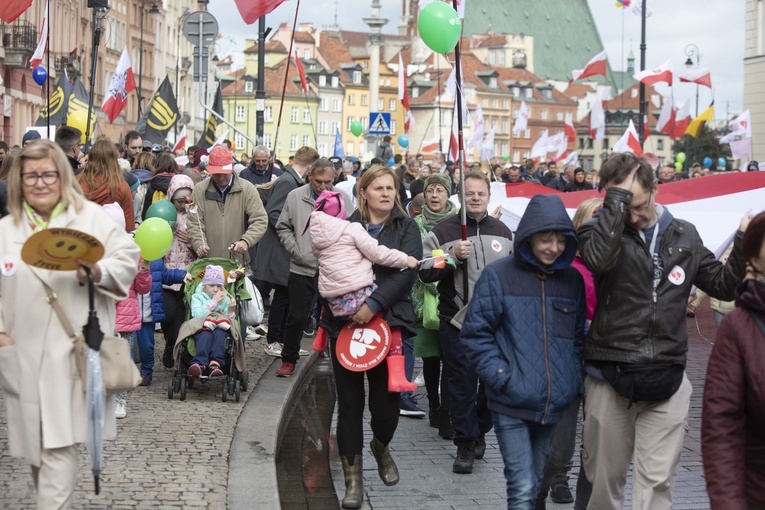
point(301, 283)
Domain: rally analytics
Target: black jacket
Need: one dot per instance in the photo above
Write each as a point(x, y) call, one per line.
point(629, 325)
point(393, 285)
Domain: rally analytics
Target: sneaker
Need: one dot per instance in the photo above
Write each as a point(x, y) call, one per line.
point(560, 493)
point(303, 352)
point(408, 407)
point(119, 409)
point(274, 349)
point(261, 329)
point(419, 380)
point(252, 333)
point(196, 370)
point(215, 370)
point(145, 379)
point(310, 326)
point(286, 370)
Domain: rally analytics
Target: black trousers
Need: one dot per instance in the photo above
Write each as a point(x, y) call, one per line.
point(383, 406)
point(175, 316)
point(302, 295)
point(277, 312)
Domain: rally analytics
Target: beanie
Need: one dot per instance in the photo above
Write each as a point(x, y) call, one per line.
point(213, 275)
point(442, 179)
point(131, 180)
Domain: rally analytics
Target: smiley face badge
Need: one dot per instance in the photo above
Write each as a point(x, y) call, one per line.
point(58, 249)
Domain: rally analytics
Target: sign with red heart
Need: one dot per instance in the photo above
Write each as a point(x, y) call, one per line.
point(361, 347)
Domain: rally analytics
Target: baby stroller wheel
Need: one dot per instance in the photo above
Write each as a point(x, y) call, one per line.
point(190, 384)
point(183, 388)
point(170, 388)
point(224, 392)
point(245, 378)
point(177, 383)
point(237, 390)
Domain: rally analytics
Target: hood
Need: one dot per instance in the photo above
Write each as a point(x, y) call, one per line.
point(751, 295)
point(543, 214)
point(162, 181)
point(143, 175)
point(100, 195)
point(179, 181)
point(326, 229)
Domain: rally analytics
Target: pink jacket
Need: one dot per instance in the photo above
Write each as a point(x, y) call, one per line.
point(128, 311)
point(345, 253)
point(589, 286)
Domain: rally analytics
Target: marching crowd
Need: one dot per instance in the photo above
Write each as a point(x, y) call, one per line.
point(516, 330)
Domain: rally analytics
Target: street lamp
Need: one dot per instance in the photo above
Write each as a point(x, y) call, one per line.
point(692, 51)
point(181, 21)
point(154, 10)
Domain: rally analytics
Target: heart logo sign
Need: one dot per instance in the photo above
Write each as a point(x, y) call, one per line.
point(360, 348)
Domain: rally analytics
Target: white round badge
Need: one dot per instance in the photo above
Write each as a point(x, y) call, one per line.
point(677, 275)
point(9, 265)
point(496, 246)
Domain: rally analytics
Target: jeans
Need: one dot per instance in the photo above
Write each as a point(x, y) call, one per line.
point(524, 446)
point(408, 348)
point(562, 448)
point(210, 346)
point(146, 347)
point(302, 295)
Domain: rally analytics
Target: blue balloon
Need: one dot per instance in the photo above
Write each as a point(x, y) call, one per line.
point(708, 162)
point(403, 141)
point(391, 162)
point(39, 75)
point(722, 163)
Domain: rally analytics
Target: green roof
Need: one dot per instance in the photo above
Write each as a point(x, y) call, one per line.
point(565, 35)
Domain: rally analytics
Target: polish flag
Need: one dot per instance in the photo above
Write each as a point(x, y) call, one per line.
point(646, 128)
point(666, 121)
point(301, 73)
point(430, 145)
point(12, 9)
point(682, 120)
point(37, 57)
point(539, 149)
point(597, 120)
point(663, 73)
point(595, 67)
point(122, 84)
point(629, 142)
point(251, 10)
point(740, 126)
point(522, 121)
point(570, 131)
point(699, 74)
point(403, 96)
point(453, 153)
point(181, 142)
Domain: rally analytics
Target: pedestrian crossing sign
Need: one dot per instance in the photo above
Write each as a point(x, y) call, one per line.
point(379, 123)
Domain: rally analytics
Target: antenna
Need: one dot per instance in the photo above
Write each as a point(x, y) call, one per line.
point(337, 2)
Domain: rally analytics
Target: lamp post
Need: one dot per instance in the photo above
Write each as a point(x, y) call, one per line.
point(181, 21)
point(154, 10)
point(692, 51)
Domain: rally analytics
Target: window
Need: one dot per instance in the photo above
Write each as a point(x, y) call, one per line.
point(529, 93)
point(380, 104)
point(306, 141)
point(356, 76)
point(293, 142)
point(445, 118)
point(335, 127)
point(605, 143)
point(349, 148)
point(516, 92)
point(503, 148)
point(249, 86)
point(581, 143)
point(589, 143)
point(335, 81)
point(392, 105)
point(323, 104)
point(351, 99)
point(495, 103)
point(527, 134)
point(543, 115)
point(266, 58)
point(516, 156)
point(392, 127)
point(322, 80)
point(363, 121)
point(504, 125)
point(239, 116)
point(387, 82)
point(323, 127)
point(516, 111)
point(415, 92)
point(492, 58)
point(505, 104)
point(323, 151)
point(350, 121)
point(525, 155)
point(267, 141)
point(306, 53)
point(363, 99)
point(660, 144)
point(485, 102)
point(559, 116)
point(336, 105)
point(493, 123)
point(502, 58)
point(306, 115)
point(239, 141)
point(294, 115)
point(493, 82)
point(268, 114)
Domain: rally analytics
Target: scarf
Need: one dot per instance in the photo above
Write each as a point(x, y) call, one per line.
point(36, 221)
point(431, 219)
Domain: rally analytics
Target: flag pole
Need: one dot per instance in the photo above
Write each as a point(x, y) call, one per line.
point(461, 156)
point(47, 63)
point(98, 15)
point(286, 77)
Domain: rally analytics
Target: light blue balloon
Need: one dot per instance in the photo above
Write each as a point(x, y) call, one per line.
point(391, 162)
point(722, 163)
point(403, 141)
point(708, 162)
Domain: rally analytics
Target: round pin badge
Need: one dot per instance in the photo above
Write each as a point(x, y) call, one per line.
point(9, 265)
point(677, 275)
point(361, 347)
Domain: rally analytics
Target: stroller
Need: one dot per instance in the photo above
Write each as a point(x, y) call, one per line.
point(235, 378)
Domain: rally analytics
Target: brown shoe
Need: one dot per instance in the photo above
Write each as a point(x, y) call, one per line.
point(386, 467)
point(286, 370)
point(354, 492)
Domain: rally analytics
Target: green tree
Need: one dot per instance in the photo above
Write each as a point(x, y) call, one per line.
point(706, 145)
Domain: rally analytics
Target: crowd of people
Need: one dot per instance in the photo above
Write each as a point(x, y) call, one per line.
point(515, 329)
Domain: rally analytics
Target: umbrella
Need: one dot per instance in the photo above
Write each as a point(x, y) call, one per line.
point(95, 396)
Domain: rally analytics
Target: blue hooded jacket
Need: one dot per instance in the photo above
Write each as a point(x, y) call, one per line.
point(160, 275)
point(525, 324)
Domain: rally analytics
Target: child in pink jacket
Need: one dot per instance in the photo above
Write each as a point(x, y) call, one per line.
point(346, 252)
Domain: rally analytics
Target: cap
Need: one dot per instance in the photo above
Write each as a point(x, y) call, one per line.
point(336, 161)
point(146, 144)
point(156, 148)
point(30, 135)
point(220, 161)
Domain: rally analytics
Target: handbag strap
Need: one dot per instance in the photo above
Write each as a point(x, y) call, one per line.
point(52, 299)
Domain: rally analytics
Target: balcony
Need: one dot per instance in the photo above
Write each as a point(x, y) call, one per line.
point(67, 62)
point(19, 40)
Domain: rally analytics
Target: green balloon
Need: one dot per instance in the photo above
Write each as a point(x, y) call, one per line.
point(356, 128)
point(678, 166)
point(506, 157)
point(439, 27)
point(163, 209)
point(154, 237)
point(680, 158)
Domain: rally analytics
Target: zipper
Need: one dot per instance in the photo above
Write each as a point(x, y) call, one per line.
point(547, 360)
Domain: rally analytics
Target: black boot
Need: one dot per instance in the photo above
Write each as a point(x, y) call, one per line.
point(463, 464)
point(354, 491)
point(167, 357)
point(386, 467)
point(541, 503)
point(433, 406)
point(445, 430)
point(480, 447)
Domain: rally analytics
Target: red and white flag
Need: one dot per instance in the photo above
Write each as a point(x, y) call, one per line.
point(430, 145)
point(682, 120)
point(37, 57)
point(12, 9)
point(741, 126)
point(663, 73)
point(522, 121)
point(403, 96)
point(597, 120)
point(479, 128)
point(251, 10)
point(301, 73)
point(699, 74)
point(570, 131)
point(122, 84)
point(629, 142)
point(540, 147)
point(180, 143)
point(595, 67)
point(666, 121)
point(453, 154)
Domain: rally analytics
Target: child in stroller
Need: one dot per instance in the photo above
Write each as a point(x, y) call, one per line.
point(210, 297)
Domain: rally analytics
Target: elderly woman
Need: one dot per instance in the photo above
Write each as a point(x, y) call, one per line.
point(103, 183)
point(44, 395)
point(381, 214)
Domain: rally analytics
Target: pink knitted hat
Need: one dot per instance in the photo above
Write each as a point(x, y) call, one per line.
point(213, 275)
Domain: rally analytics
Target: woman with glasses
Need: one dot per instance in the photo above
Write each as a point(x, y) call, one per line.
point(102, 181)
point(43, 391)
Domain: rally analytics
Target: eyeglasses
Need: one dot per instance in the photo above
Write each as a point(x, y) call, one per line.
point(436, 190)
point(48, 178)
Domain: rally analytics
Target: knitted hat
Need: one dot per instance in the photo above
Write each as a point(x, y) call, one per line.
point(198, 157)
point(442, 179)
point(213, 275)
point(331, 203)
point(30, 135)
point(579, 170)
point(132, 180)
point(220, 161)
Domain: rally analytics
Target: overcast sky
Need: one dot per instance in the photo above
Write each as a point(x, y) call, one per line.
point(716, 27)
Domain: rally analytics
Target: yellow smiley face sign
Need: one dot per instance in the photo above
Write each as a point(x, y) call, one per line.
point(58, 249)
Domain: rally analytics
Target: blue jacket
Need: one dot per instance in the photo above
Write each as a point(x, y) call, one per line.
point(160, 275)
point(525, 323)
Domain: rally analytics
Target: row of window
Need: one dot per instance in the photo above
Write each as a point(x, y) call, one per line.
point(380, 102)
point(605, 143)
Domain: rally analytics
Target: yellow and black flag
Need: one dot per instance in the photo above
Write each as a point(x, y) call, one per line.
point(78, 106)
point(57, 107)
point(208, 138)
point(160, 115)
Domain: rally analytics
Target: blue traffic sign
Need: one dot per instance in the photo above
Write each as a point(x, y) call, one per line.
point(379, 123)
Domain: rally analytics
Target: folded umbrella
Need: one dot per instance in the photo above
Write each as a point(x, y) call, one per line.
point(95, 396)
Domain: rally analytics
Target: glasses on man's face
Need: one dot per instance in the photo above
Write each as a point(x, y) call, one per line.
point(30, 179)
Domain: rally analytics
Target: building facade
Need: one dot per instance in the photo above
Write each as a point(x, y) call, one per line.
point(754, 74)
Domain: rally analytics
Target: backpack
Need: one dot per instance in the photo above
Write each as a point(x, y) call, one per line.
point(158, 195)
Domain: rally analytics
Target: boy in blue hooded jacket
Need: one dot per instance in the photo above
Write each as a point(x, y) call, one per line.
point(523, 333)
